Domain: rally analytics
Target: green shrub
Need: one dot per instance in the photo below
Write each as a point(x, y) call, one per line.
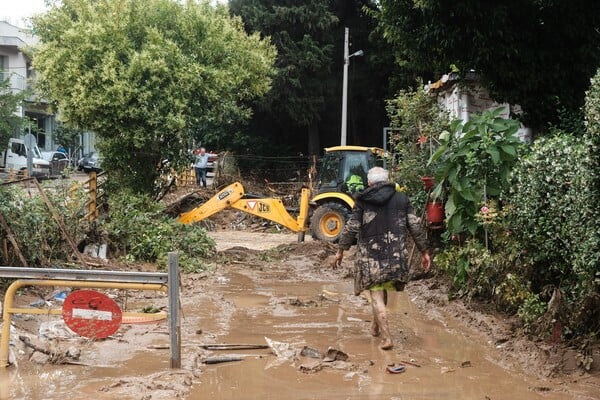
point(499, 274)
point(417, 121)
point(555, 215)
point(35, 230)
point(592, 109)
point(473, 165)
point(138, 229)
point(512, 292)
point(531, 309)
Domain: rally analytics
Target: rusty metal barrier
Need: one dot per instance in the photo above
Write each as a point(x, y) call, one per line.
point(96, 194)
point(164, 282)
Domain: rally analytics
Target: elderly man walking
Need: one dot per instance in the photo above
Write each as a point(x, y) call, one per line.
point(380, 221)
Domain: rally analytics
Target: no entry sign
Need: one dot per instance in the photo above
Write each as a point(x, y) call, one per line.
point(91, 314)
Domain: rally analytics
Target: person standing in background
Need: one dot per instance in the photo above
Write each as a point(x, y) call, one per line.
point(200, 165)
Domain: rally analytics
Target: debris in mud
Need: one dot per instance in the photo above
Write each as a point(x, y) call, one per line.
point(173, 384)
point(234, 346)
point(56, 330)
point(281, 350)
point(296, 302)
point(411, 362)
point(542, 389)
point(221, 359)
point(44, 355)
point(395, 368)
point(310, 352)
point(335, 355)
point(311, 367)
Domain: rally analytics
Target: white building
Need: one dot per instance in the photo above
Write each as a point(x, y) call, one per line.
point(462, 98)
point(15, 64)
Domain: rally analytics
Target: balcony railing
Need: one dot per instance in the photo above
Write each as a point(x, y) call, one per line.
point(18, 83)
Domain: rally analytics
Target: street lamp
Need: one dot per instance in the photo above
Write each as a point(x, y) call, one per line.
point(345, 84)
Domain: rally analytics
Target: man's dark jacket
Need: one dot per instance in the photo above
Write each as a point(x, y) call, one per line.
point(380, 221)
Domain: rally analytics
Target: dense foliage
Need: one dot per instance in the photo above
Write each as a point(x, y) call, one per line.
point(9, 121)
point(149, 77)
point(35, 230)
point(302, 33)
point(140, 231)
point(416, 122)
point(536, 53)
point(302, 112)
point(473, 165)
point(136, 229)
point(544, 256)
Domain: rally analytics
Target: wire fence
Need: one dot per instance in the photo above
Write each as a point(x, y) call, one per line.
point(282, 176)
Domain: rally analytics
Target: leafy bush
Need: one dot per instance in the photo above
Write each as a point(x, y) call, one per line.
point(35, 230)
point(141, 232)
point(417, 121)
point(531, 309)
point(555, 215)
point(499, 274)
point(592, 109)
point(473, 165)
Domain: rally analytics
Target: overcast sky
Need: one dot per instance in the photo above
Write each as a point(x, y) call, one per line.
point(17, 11)
point(14, 11)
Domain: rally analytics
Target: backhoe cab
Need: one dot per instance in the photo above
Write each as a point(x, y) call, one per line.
point(343, 173)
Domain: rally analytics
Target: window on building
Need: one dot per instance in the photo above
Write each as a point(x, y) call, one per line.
point(3, 63)
point(3, 68)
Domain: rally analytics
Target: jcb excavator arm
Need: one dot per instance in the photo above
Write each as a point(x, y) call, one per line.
point(234, 196)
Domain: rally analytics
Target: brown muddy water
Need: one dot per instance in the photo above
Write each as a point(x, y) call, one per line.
point(296, 304)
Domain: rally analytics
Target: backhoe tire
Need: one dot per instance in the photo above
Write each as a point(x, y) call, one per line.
point(328, 220)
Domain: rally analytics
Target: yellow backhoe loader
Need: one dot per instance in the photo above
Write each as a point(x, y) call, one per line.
point(343, 172)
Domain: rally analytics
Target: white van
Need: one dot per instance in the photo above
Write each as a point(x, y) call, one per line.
point(15, 157)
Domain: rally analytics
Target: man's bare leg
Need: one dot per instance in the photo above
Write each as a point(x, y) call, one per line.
point(374, 328)
point(380, 318)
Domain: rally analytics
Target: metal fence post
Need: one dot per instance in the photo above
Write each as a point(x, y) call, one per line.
point(174, 319)
point(93, 191)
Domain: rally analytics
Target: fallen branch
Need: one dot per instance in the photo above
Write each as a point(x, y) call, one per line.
point(410, 363)
point(28, 343)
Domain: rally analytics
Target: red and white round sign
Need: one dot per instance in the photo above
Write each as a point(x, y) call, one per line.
point(91, 314)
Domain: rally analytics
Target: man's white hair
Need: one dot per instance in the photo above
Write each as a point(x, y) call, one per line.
point(377, 174)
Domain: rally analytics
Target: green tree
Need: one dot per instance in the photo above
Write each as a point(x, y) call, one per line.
point(302, 33)
point(303, 110)
point(9, 121)
point(536, 53)
point(148, 76)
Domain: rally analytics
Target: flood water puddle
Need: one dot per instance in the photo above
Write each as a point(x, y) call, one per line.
point(443, 360)
point(451, 365)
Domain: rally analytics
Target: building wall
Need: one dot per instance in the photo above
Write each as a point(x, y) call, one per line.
point(16, 65)
point(462, 99)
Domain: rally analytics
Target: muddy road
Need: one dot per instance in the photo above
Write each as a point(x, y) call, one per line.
point(266, 287)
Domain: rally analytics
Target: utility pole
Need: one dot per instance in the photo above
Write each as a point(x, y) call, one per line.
point(345, 84)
